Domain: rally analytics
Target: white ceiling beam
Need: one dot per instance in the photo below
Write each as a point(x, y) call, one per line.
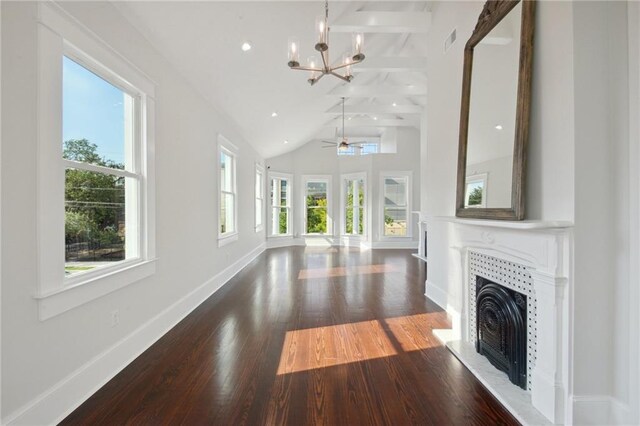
point(376, 109)
point(369, 122)
point(382, 22)
point(392, 64)
point(378, 91)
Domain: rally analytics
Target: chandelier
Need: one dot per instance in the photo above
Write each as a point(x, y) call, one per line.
point(319, 69)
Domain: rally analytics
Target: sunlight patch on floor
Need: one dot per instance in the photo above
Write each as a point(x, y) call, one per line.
point(329, 346)
point(345, 271)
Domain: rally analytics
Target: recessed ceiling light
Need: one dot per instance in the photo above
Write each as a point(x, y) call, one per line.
point(286, 141)
point(246, 46)
point(375, 118)
point(499, 127)
point(274, 114)
point(394, 104)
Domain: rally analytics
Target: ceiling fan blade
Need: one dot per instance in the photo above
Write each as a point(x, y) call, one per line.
point(329, 146)
point(329, 142)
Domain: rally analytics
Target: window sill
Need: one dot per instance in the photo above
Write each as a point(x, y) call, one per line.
point(281, 236)
point(317, 235)
point(81, 292)
point(223, 240)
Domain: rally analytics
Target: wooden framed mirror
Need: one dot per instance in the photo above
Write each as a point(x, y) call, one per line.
point(494, 116)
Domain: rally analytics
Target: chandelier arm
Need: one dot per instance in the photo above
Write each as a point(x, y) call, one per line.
point(337, 67)
point(313, 81)
point(325, 60)
point(320, 70)
point(341, 77)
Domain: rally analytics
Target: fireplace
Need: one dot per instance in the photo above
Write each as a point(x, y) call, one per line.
point(501, 331)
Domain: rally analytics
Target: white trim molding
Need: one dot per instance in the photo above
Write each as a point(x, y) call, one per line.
point(60, 400)
point(60, 35)
point(544, 251)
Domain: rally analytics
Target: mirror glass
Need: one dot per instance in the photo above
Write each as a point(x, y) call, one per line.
point(492, 115)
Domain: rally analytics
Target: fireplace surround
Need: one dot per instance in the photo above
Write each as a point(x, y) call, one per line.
point(530, 258)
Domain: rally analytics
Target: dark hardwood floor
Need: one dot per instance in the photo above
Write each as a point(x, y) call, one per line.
point(303, 336)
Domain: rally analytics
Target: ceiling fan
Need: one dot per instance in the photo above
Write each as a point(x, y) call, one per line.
point(344, 144)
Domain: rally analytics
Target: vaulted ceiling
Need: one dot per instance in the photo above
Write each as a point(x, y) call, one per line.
point(203, 41)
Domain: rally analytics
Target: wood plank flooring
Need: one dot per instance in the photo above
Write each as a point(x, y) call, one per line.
point(303, 336)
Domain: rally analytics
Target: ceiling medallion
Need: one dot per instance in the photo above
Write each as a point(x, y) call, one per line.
point(320, 69)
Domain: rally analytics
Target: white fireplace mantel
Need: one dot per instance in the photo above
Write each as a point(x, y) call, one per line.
point(543, 248)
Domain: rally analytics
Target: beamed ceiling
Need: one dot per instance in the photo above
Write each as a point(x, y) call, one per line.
point(203, 41)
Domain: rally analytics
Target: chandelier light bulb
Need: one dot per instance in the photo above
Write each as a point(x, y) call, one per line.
point(358, 42)
point(321, 26)
point(294, 53)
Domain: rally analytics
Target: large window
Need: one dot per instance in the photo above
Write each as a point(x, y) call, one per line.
point(102, 176)
point(259, 197)
point(227, 230)
point(316, 199)
point(280, 193)
point(353, 201)
point(95, 183)
point(396, 204)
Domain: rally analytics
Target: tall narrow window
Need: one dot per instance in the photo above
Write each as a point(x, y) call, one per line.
point(96, 181)
point(102, 171)
point(316, 206)
point(396, 205)
point(227, 230)
point(259, 196)
point(280, 205)
point(354, 205)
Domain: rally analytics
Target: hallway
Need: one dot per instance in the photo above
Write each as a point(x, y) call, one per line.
point(303, 336)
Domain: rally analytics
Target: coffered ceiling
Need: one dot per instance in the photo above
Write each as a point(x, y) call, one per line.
point(203, 41)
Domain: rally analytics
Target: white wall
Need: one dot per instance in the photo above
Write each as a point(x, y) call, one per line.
point(38, 355)
point(580, 163)
point(312, 159)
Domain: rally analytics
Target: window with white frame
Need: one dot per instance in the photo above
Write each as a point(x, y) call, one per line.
point(280, 194)
point(316, 202)
point(259, 197)
point(396, 190)
point(353, 201)
point(96, 218)
point(102, 170)
point(227, 223)
point(369, 148)
point(476, 191)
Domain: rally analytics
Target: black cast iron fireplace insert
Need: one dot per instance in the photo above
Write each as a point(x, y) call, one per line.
point(501, 315)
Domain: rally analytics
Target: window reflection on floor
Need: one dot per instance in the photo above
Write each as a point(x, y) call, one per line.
point(328, 346)
point(345, 271)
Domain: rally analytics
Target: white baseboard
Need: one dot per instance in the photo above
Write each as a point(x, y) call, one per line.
point(435, 293)
point(591, 409)
point(620, 413)
point(65, 396)
point(279, 242)
point(395, 245)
